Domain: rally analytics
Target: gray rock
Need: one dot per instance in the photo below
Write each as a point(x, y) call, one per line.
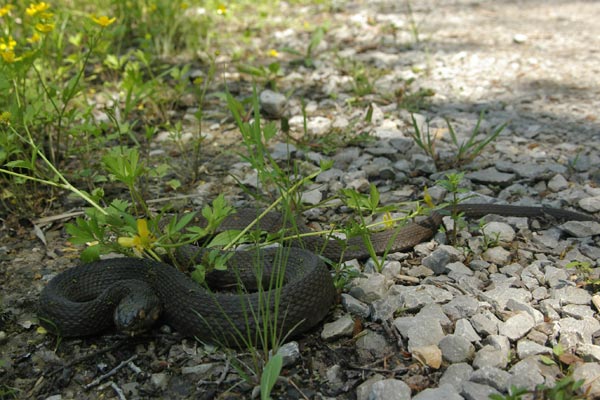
point(496, 255)
point(335, 375)
point(422, 163)
point(464, 329)
point(424, 332)
point(384, 309)
point(311, 197)
point(499, 231)
point(457, 270)
point(485, 323)
point(491, 175)
point(354, 306)
point(590, 372)
point(343, 326)
point(282, 151)
point(558, 183)
point(370, 289)
point(441, 257)
point(526, 374)
point(456, 374)
point(272, 103)
point(527, 348)
point(290, 352)
point(589, 352)
point(318, 125)
point(434, 311)
point(475, 391)
point(489, 356)
point(373, 346)
point(461, 307)
point(393, 389)
point(456, 349)
point(159, 380)
point(581, 228)
point(332, 174)
point(578, 311)
point(517, 326)
point(490, 376)
point(418, 296)
point(590, 204)
point(500, 296)
point(444, 392)
point(571, 295)
point(514, 305)
point(199, 369)
point(555, 276)
point(363, 390)
point(583, 329)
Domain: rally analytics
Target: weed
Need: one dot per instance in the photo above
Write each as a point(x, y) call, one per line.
point(564, 389)
point(452, 185)
point(465, 151)
point(586, 271)
point(308, 58)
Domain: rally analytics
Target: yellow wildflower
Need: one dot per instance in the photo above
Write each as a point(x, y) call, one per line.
point(5, 10)
point(103, 20)
point(427, 198)
point(388, 220)
point(34, 38)
point(144, 240)
point(44, 28)
point(273, 53)
point(36, 8)
point(5, 118)
point(9, 56)
point(221, 9)
point(7, 44)
point(184, 6)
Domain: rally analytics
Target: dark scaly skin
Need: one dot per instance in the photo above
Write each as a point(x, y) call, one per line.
point(81, 300)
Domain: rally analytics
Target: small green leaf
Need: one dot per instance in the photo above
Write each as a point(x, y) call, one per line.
point(547, 360)
point(199, 273)
point(269, 376)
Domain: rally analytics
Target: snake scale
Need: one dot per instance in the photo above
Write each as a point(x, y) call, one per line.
point(81, 301)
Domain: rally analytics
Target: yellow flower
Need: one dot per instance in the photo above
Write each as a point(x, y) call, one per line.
point(35, 8)
point(9, 56)
point(184, 6)
point(5, 118)
point(144, 240)
point(103, 20)
point(5, 10)
point(8, 44)
point(44, 28)
point(427, 198)
point(221, 9)
point(388, 220)
point(34, 38)
point(273, 53)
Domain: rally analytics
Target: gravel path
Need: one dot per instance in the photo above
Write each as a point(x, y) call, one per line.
point(442, 321)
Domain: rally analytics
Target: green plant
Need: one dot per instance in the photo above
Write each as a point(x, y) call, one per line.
point(267, 74)
point(564, 389)
point(307, 59)
point(452, 185)
point(270, 374)
point(465, 151)
point(586, 271)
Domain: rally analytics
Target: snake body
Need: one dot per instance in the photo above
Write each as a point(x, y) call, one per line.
point(81, 301)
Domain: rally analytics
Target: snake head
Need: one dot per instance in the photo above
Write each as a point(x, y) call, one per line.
point(137, 312)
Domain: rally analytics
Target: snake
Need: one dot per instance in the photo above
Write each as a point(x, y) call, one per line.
point(265, 293)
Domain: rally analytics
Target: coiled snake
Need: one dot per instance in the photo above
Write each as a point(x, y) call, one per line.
point(89, 299)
